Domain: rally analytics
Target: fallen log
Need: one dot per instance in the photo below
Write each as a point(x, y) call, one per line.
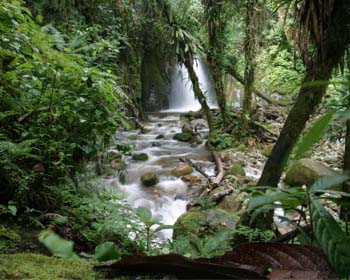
point(219, 168)
point(291, 234)
point(220, 195)
point(196, 167)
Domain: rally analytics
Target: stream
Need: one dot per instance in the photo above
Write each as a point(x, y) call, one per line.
point(167, 200)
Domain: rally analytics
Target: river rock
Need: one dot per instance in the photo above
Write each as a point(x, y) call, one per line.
point(149, 179)
point(237, 170)
point(241, 148)
point(233, 202)
point(140, 157)
point(267, 150)
point(202, 222)
point(132, 137)
point(187, 129)
point(197, 139)
point(160, 136)
point(183, 137)
point(156, 144)
point(191, 179)
point(113, 155)
point(118, 164)
point(199, 123)
point(182, 169)
point(306, 172)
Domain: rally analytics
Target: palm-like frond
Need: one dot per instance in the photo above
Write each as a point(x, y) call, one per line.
point(10, 151)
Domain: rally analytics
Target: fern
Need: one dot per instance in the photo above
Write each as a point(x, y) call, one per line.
point(10, 151)
point(331, 238)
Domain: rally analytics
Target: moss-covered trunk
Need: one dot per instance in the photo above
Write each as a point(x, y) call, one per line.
point(345, 210)
point(216, 26)
point(249, 54)
point(197, 90)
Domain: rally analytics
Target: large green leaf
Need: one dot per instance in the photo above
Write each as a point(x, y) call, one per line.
point(106, 251)
point(58, 246)
point(314, 134)
point(329, 183)
point(289, 197)
point(332, 239)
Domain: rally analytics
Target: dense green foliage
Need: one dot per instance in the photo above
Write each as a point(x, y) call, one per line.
point(57, 108)
point(74, 73)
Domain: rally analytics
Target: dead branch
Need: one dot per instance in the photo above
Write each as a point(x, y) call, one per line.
point(196, 167)
point(291, 234)
point(219, 168)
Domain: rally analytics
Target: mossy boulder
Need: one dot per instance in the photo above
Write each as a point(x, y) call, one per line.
point(160, 136)
point(191, 179)
point(241, 148)
point(132, 137)
point(183, 137)
point(267, 150)
point(140, 157)
point(112, 155)
point(182, 169)
point(237, 170)
point(149, 179)
point(204, 222)
point(35, 266)
point(306, 172)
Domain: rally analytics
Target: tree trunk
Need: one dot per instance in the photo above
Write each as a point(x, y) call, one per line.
point(197, 90)
point(249, 54)
point(216, 27)
point(345, 210)
point(319, 69)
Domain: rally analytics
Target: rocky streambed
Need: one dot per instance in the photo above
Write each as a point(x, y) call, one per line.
point(155, 177)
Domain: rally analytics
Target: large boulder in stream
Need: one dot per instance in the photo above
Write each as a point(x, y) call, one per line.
point(203, 222)
point(140, 157)
point(149, 179)
point(183, 137)
point(182, 169)
point(306, 172)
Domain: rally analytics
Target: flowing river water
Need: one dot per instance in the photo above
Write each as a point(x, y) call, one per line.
point(167, 200)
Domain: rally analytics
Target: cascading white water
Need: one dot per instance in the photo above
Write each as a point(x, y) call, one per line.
point(182, 98)
point(168, 199)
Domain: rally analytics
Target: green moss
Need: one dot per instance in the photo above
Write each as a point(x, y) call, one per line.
point(132, 137)
point(241, 148)
point(219, 140)
point(140, 157)
point(34, 266)
point(267, 150)
point(9, 234)
point(204, 222)
point(149, 179)
point(237, 170)
point(183, 137)
point(8, 239)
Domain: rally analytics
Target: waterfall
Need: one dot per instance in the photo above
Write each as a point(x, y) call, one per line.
point(182, 98)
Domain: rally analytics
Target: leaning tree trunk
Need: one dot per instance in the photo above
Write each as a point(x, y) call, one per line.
point(216, 26)
point(345, 210)
point(319, 69)
point(197, 90)
point(249, 54)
